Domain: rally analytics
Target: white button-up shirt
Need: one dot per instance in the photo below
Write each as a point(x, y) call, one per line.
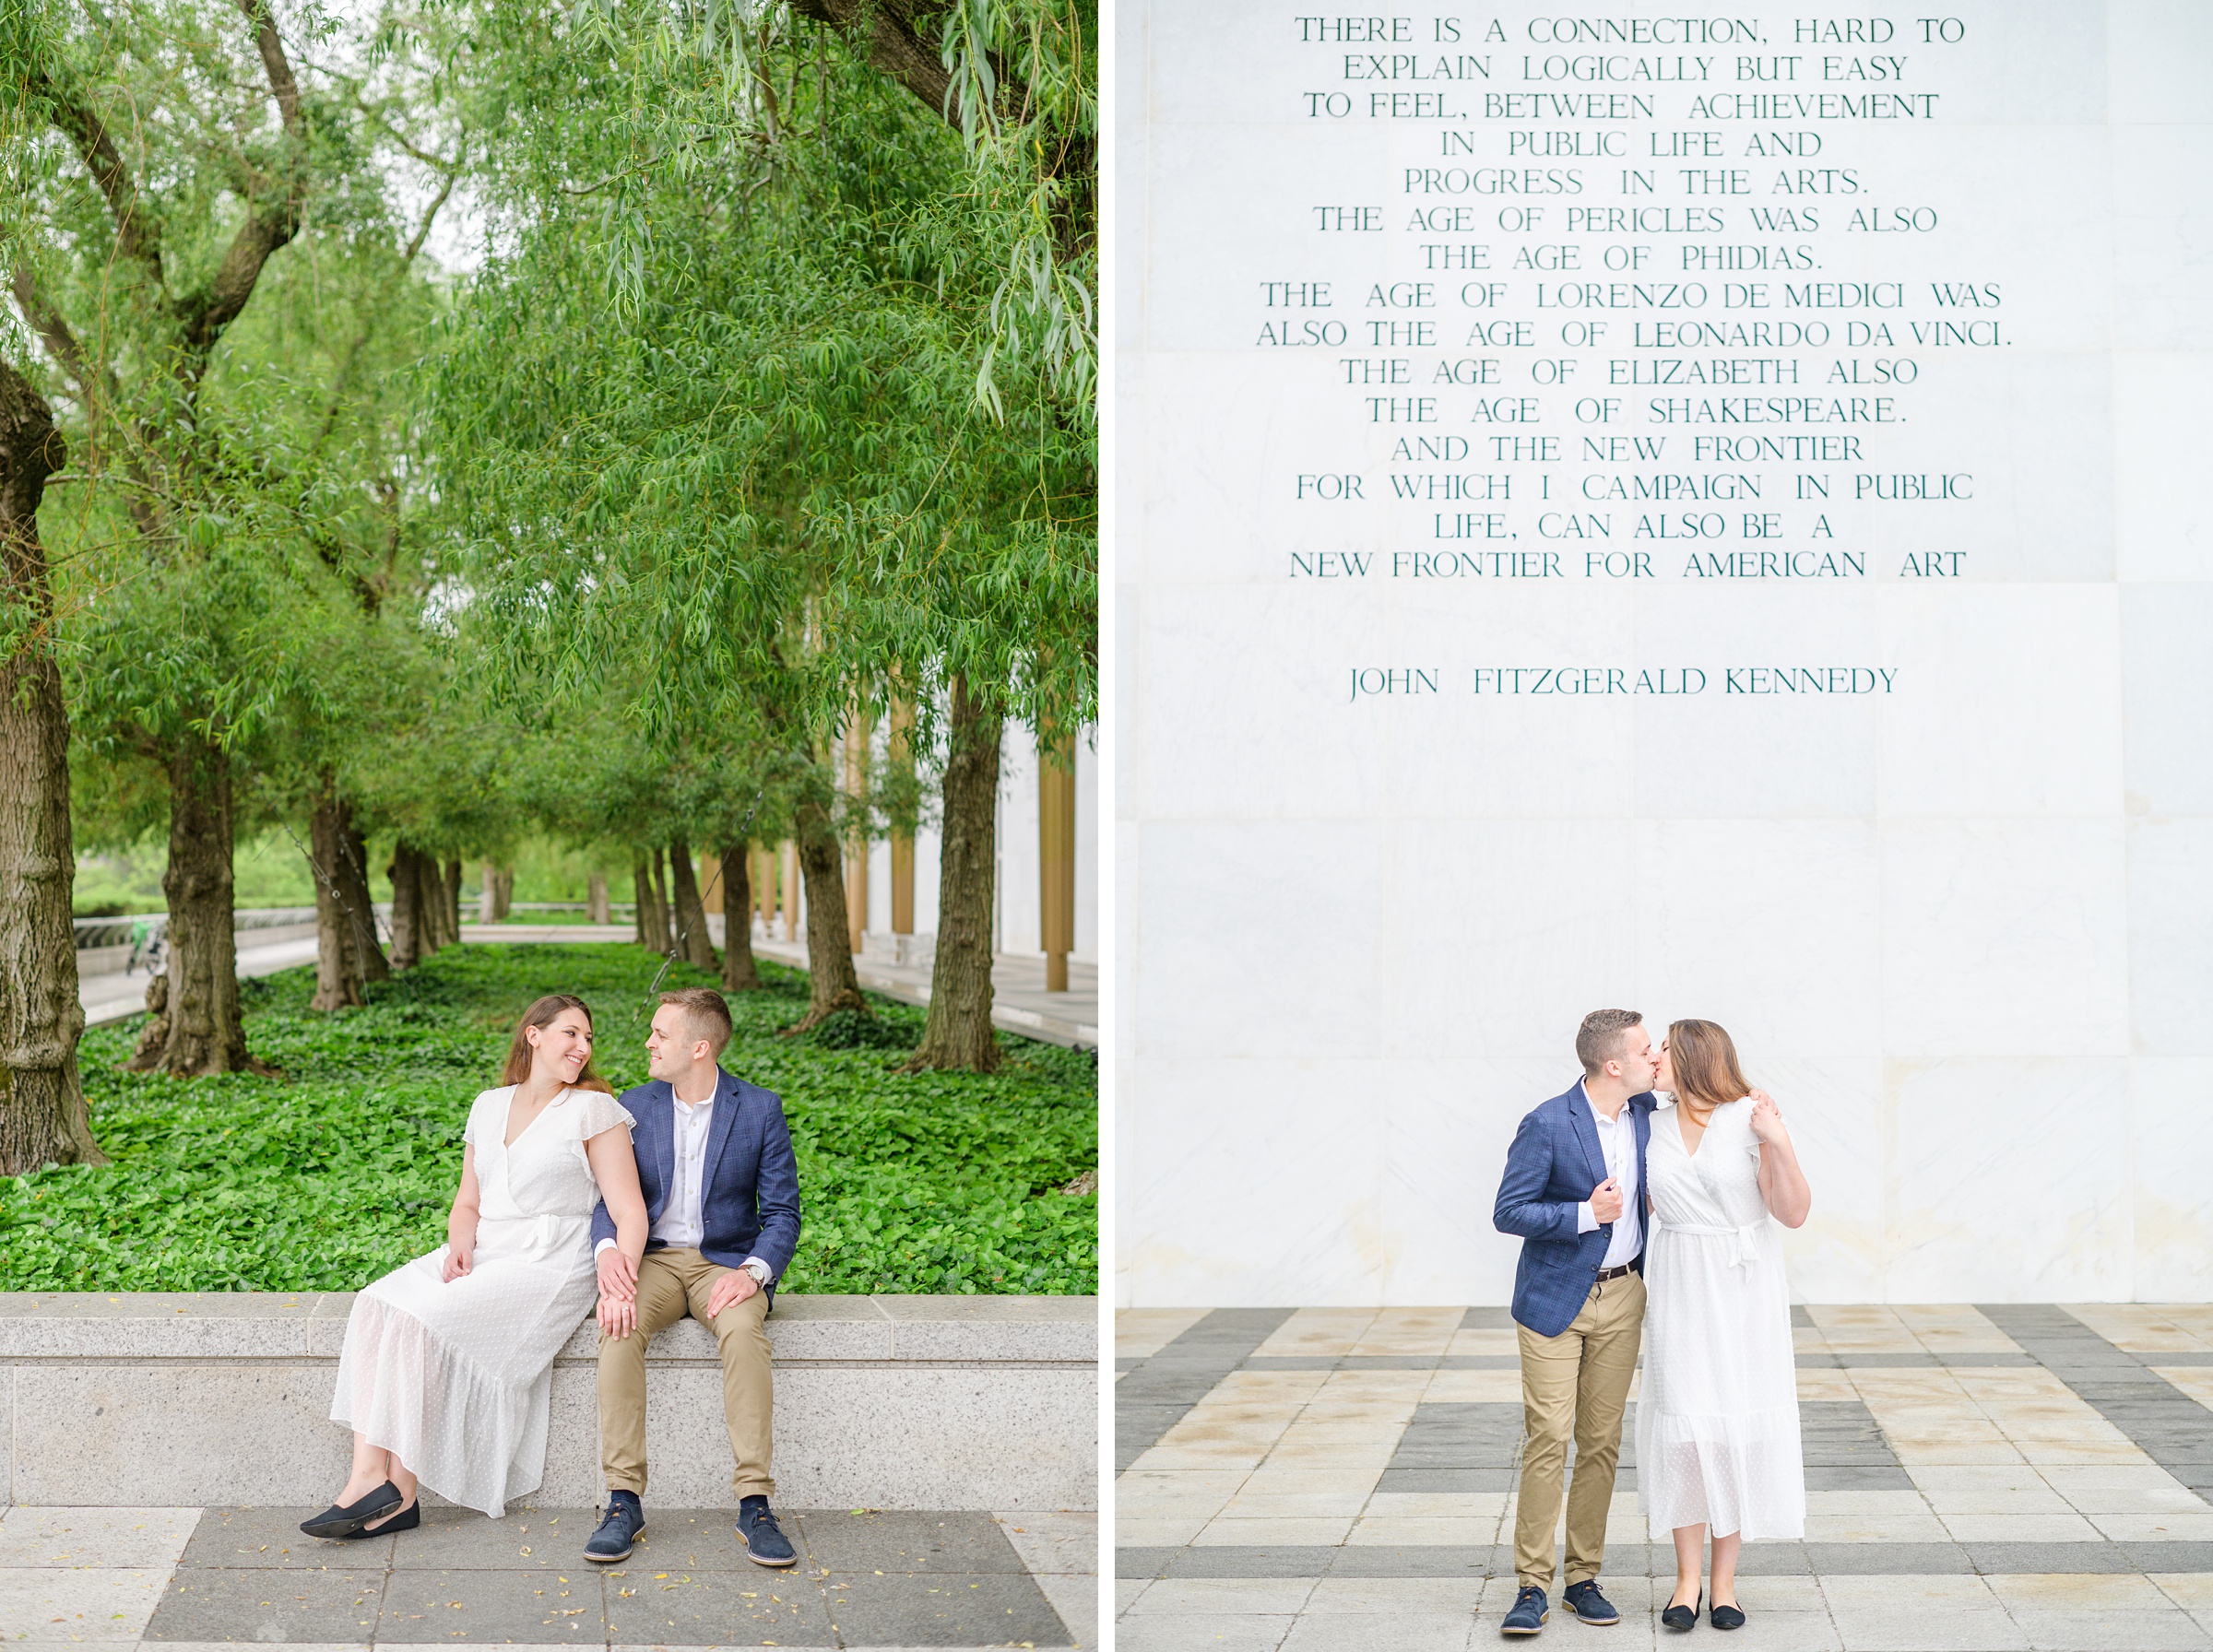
point(1618, 1141)
point(684, 1220)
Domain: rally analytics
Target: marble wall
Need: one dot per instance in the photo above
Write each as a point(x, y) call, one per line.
point(1963, 930)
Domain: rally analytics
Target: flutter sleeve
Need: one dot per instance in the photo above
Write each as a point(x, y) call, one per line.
point(601, 1113)
point(472, 1132)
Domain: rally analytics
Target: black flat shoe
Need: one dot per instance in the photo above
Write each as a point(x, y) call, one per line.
point(346, 1521)
point(408, 1519)
point(1683, 1617)
point(1724, 1617)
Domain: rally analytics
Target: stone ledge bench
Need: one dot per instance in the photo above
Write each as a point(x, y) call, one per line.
point(153, 1399)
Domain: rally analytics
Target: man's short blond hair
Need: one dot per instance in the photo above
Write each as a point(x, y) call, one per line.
point(1598, 1039)
point(707, 1011)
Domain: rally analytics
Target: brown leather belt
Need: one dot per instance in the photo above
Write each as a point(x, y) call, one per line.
point(1614, 1273)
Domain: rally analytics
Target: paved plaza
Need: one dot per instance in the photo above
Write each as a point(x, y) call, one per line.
point(175, 1578)
point(1978, 1479)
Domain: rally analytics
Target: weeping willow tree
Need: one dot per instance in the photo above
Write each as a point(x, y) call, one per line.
point(200, 248)
point(782, 405)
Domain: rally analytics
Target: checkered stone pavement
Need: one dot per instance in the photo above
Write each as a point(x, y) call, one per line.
point(178, 1580)
point(1993, 1479)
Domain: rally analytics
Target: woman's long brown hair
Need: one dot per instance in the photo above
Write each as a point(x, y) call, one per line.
point(1704, 1057)
point(541, 1015)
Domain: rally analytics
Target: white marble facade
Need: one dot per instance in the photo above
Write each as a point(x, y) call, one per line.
point(1964, 932)
point(1017, 894)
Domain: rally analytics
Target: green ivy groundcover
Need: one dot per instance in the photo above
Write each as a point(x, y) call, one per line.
point(344, 1167)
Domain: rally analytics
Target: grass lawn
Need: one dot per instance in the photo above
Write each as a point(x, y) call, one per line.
point(344, 1168)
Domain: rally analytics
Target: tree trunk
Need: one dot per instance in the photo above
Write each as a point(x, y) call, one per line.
point(406, 873)
point(695, 944)
point(430, 895)
point(429, 904)
point(499, 894)
point(204, 1031)
point(739, 973)
point(665, 909)
point(958, 1034)
point(643, 886)
point(595, 899)
point(449, 909)
point(832, 984)
point(353, 889)
point(43, 1116)
point(347, 955)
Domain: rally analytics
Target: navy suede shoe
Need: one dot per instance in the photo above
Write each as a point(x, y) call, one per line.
point(764, 1541)
point(1529, 1613)
point(1584, 1601)
point(625, 1519)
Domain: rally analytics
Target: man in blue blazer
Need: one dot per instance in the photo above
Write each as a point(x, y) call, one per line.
point(1574, 1193)
point(722, 1209)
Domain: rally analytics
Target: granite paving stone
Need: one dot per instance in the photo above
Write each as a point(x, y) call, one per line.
point(1054, 1542)
point(1369, 1595)
point(267, 1603)
point(1889, 1629)
point(59, 1605)
point(1824, 1477)
point(1202, 1632)
point(95, 1536)
point(2034, 1452)
point(1228, 1594)
point(525, 1540)
point(2170, 1557)
point(939, 1608)
point(2171, 1631)
point(249, 1576)
point(1418, 1561)
point(1772, 1631)
point(1151, 1561)
point(1288, 1560)
point(1075, 1601)
point(907, 1541)
point(704, 1608)
point(1400, 1632)
point(475, 1605)
point(271, 1537)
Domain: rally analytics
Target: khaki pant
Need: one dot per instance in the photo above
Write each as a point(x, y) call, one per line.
point(1575, 1384)
point(670, 1283)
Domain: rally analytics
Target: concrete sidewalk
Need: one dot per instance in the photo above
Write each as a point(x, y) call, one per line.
point(1021, 1003)
point(117, 997)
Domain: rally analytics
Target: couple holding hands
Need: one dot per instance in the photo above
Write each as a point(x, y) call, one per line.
point(682, 1197)
point(1646, 1198)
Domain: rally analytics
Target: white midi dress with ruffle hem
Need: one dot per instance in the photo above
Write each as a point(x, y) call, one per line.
point(456, 1378)
point(1717, 1415)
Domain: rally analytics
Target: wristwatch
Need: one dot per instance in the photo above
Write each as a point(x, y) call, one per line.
point(759, 1270)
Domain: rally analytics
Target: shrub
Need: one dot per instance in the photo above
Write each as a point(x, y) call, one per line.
point(345, 1167)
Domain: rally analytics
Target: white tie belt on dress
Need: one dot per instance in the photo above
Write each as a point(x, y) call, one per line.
point(535, 1238)
point(1746, 1237)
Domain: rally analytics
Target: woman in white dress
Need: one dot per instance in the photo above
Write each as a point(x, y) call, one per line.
point(1717, 1417)
point(448, 1362)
